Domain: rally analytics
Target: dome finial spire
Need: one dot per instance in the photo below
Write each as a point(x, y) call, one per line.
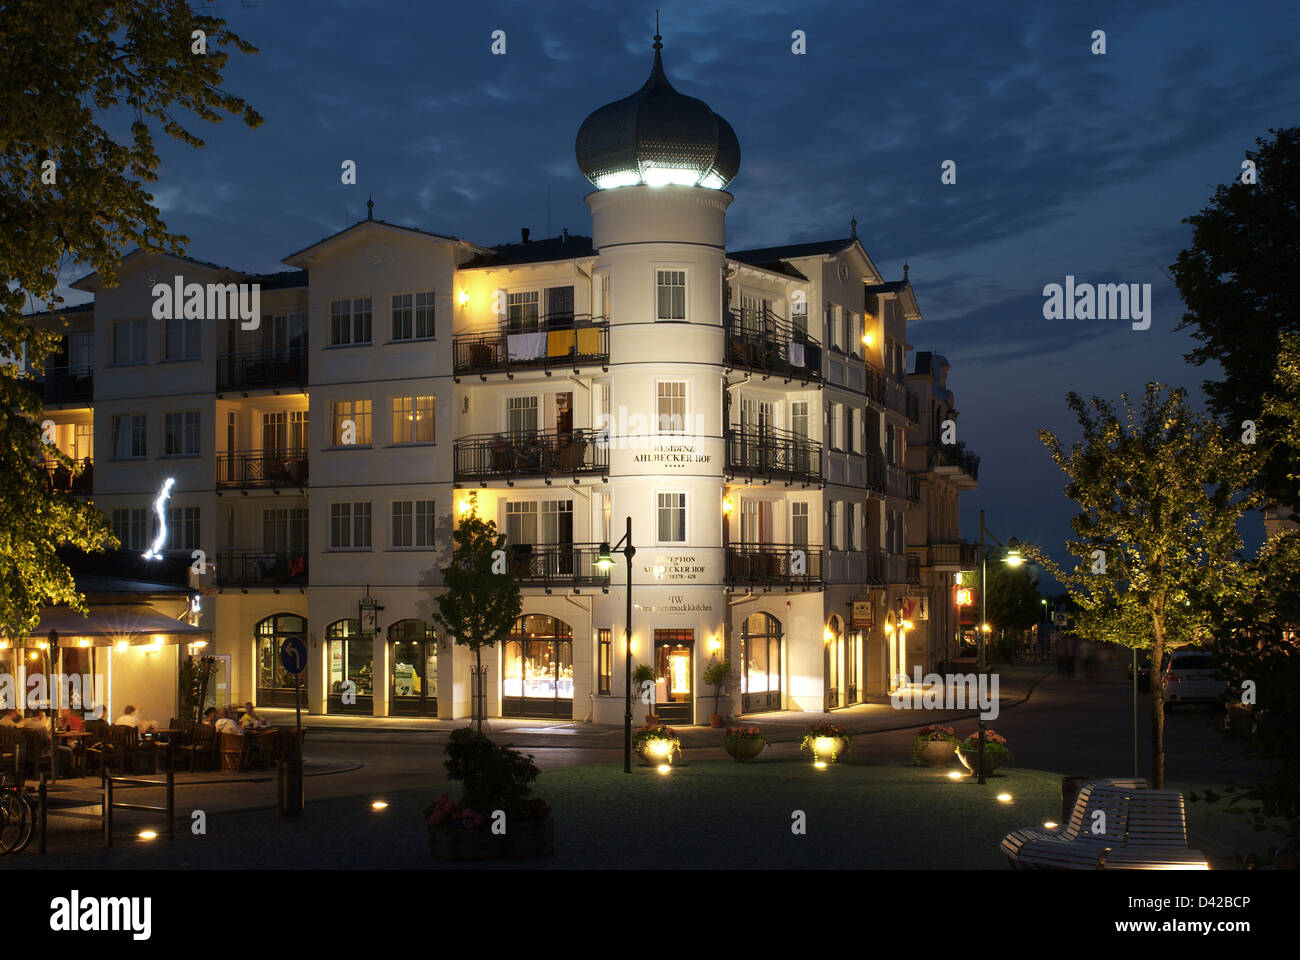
point(658, 39)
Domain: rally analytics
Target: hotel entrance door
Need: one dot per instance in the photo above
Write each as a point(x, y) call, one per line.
point(674, 668)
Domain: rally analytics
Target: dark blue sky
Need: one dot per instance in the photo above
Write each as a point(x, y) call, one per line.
point(1067, 163)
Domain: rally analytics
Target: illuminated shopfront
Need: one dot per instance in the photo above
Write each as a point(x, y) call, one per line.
point(275, 687)
point(834, 641)
point(760, 663)
point(537, 669)
point(414, 667)
point(673, 669)
point(351, 659)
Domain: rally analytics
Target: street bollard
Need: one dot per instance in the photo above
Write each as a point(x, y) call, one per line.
point(290, 777)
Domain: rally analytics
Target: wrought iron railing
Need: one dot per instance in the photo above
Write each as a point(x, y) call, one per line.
point(964, 555)
point(551, 342)
point(876, 386)
point(261, 369)
point(773, 564)
point(257, 568)
point(764, 341)
point(896, 482)
point(913, 569)
point(246, 469)
point(502, 456)
point(876, 472)
point(560, 565)
point(67, 384)
point(955, 455)
point(773, 453)
point(64, 480)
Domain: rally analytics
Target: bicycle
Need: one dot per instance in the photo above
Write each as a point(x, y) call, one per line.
point(17, 818)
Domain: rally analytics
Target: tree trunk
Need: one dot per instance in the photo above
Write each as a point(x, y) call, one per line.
point(1157, 707)
point(480, 694)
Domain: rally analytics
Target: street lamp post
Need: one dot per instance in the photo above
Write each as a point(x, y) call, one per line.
point(604, 561)
point(1014, 559)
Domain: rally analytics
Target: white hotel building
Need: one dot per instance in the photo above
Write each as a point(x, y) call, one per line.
point(751, 411)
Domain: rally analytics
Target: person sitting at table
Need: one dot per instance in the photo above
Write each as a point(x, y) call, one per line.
point(40, 725)
point(130, 718)
point(252, 719)
point(225, 724)
point(210, 716)
point(72, 720)
point(10, 719)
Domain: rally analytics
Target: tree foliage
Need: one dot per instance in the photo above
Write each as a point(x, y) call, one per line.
point(478, 607)
point(1156, 539)
point(72, 69)
point(1239, 282)
point(1012, 599)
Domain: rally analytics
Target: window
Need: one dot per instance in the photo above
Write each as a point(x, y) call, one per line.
point(836, 425)
point(831, 335)
point(413, 316)
point(284, 432)
point(128, 527)
point(837, 525)
point(855, 529)
point(671, 288)
point(350, 526)
point(799, 524)
point(129, 436)
point(413, 420)
point(799, 418)
point(672, 406)
point(672, 518)
point(284, 531)
point(181, 339)
point(349, 321)
point(182, 528)
point(81, 354)
point(128, 342)
point(181, 434)
point(354, 412)
point(551, 524)
point(412, 523)
point(521, 415)
point(799, 318)
point(522, 311)
point(605, 671)
point(855, 430)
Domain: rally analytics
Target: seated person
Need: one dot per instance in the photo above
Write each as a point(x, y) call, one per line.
point(252, 719)
point(10, 719)
point(225, 724)
point(130, 718)
point(72, 720)
point(210, 716)
point(40, 724)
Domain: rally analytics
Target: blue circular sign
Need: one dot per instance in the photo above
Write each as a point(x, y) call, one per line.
point(293, 654)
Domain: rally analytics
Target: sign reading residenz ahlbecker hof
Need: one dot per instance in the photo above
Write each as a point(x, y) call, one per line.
point(668, 455)
point(661, 567)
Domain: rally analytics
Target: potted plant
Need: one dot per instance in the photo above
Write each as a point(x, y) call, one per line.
point(996, 751)
point(934, 746)
point(643, 674)
point(715, 676)
point(744, 743)
point(826, 742)
point(656, 745)
point(495, 817)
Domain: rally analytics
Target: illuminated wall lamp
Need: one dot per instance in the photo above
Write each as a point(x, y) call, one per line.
point(464, 297)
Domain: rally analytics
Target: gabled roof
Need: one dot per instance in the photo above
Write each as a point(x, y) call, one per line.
point(903, 290)
point(91, 280)
point(773, 266)
point(793, 251)
point(294, 259)
point(569, 247)
point(283, 280)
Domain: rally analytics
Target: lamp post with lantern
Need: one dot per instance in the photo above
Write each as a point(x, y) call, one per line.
point(1012, 559)
point(605, 560)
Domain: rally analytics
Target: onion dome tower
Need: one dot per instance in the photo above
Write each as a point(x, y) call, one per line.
point(657, 137)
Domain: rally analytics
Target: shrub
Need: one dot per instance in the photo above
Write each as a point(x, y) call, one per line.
point(494, 776)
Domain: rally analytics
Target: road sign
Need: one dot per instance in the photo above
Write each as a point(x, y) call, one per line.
point(293, 654)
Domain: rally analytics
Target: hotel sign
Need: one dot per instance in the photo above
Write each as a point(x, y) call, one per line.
point(862, 614)
point(672, 456)
point(675, 568)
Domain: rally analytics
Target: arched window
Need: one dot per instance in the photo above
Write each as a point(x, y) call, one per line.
point(351, 659)
point(275, 686)
point(414, 666)
point(537, 668)
point(760, 663)
point(834, 661)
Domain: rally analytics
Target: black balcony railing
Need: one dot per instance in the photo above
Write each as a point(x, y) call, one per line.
point(913, 569)
point(773, 453)
point(64, 480)
point(262, 369)
point(256, 568)
point(773, 564)
point(896, 482)
point(899, 399)
point(546, 343)
point(876, 472)
point(504, 456)
point(248, 469)
point(876, 386)
point(562, 565)
point(763, 341)
point(66, 385)
point(877, 572)
point(955, 455)
point(960, 554)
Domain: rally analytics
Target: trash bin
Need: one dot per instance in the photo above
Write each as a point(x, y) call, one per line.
point(1070, 787)
point(290, 776)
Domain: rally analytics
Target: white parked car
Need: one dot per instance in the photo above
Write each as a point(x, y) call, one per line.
point(1191, 676)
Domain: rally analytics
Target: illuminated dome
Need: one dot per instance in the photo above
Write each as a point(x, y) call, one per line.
point(657, 136)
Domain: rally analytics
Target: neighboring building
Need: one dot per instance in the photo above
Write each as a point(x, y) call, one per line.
point(748, 410)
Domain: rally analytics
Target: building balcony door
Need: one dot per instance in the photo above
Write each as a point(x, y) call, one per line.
point(413, 669)
point(760, 659)
point(834, 660)
point(675, 671)
point(275, 686)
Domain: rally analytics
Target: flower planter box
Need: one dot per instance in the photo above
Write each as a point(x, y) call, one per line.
point(523, 838)
point(743, 750)
point(968, 759)
point(938, 753)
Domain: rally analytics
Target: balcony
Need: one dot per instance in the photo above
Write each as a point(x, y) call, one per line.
point(952, 556)
point(66, 385)
point(769, 565)
point(565, 342)
point(261, 469)
point(62, 480)
point(875, 387)
point(507, 456)
point(860, 567)
point(257, 568)
point(904, 568)
point(896, 484)
point(913, 489)
point(763, 342)
point(876, 482)
point(775, 454)
point(565, 565)
point(899, 399)
point(955, 461)
point(263, 369)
